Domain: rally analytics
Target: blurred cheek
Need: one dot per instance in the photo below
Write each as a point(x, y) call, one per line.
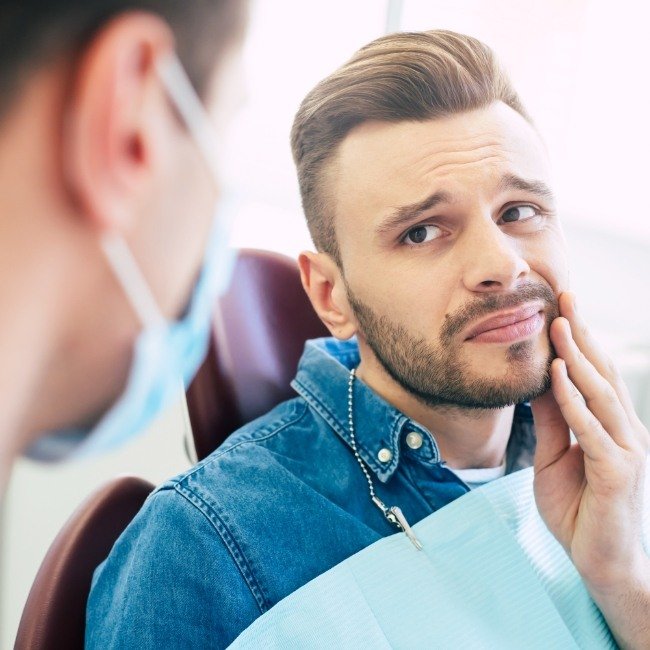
point(172, 235)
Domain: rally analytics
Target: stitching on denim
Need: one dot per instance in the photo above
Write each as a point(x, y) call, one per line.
point(331, 419)
point(240, 548)
point(229, 542)
point(217, 516)
point(396, 420)
point(221, 513)
point(255, 435)
point(313, 401)
point(268, 430)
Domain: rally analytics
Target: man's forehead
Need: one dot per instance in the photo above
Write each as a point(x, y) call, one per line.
point(380, 156)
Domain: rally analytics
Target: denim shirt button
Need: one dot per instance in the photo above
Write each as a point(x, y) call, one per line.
point(414, 440)
point(385, 455)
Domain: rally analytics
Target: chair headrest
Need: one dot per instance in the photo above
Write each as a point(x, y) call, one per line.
point(260, 329)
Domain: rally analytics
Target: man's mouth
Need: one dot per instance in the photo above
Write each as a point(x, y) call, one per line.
point(509, 326)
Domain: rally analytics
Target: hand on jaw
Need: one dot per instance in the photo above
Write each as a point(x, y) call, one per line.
point(590, 493)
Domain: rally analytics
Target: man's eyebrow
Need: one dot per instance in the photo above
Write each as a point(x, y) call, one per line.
point(406, 214)
point(513, 182)
point(409, 213)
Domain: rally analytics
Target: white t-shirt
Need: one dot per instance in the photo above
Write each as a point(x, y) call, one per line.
point(477, 477)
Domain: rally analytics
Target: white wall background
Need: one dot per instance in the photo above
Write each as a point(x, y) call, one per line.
point(580, 67)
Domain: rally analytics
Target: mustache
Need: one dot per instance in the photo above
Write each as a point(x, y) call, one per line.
point(486, 305)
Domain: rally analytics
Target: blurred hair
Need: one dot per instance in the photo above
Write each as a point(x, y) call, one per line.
point(34, 32)
point(404, 76)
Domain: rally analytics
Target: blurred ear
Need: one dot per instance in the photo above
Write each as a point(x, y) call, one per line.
point(323, 282)
point(114, 126)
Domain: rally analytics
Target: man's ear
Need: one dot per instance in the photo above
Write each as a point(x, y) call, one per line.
point(114, 120)
point(323, 282)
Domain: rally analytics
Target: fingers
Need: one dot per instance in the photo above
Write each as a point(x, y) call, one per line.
point(552, 431)
point(599, 395)
point(595, 441)
point(596, 355)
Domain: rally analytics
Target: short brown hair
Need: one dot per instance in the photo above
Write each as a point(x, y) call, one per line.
point(412, 76)
point(34, 32)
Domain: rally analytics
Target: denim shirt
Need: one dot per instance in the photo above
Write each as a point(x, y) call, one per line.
point(280, 502)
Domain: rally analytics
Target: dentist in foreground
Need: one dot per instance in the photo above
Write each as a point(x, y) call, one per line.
point(113, 226)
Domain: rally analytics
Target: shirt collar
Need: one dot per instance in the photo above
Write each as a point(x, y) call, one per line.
point(322, 380)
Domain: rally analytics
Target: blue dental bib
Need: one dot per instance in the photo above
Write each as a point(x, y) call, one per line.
point(491, 575)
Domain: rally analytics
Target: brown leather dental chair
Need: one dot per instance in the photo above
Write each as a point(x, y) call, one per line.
point(260, 329)
point(54, 616)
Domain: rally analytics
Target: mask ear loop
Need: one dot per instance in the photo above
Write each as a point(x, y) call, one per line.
point(125, 268)
point(187, 103)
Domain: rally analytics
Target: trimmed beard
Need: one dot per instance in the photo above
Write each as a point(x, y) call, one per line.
point(438, 376)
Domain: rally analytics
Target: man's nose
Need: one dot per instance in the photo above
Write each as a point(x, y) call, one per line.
point(493, 259)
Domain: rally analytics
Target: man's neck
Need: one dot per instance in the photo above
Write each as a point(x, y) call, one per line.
point(34, 294)
point(28, 293)
point(26, 331)
point(467, 438)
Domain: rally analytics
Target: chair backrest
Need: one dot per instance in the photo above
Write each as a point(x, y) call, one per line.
point(55, 613)
point(261, 326)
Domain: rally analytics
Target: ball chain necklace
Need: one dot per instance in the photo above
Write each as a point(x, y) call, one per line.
point(393, 514)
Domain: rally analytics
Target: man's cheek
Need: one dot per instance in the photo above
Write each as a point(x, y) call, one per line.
point(555, 262)
point(552, 266)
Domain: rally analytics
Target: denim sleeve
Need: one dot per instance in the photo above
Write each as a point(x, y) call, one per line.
point(169, 582)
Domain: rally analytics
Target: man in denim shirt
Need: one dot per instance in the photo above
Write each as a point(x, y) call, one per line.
point(441, 274)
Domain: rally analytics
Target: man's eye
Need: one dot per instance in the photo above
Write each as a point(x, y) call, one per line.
point(421, 235)
point(519, 213)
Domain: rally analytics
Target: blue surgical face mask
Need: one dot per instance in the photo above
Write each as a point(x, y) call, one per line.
point(166, 354)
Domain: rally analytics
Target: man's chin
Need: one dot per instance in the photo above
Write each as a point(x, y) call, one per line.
point(519, 378)
point(523, 356)
point(498, 397)
point(512, 388)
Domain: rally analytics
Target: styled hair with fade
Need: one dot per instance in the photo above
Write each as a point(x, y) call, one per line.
point(34, 33)
point(409, 76)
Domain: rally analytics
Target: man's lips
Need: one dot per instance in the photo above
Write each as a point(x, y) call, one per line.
point(509, 326)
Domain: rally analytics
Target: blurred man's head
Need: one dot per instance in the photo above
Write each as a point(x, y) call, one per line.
point(427, 193)
point(90, 143)
point(37, 33)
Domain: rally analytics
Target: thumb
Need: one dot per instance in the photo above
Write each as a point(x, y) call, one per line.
point(551, 429)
